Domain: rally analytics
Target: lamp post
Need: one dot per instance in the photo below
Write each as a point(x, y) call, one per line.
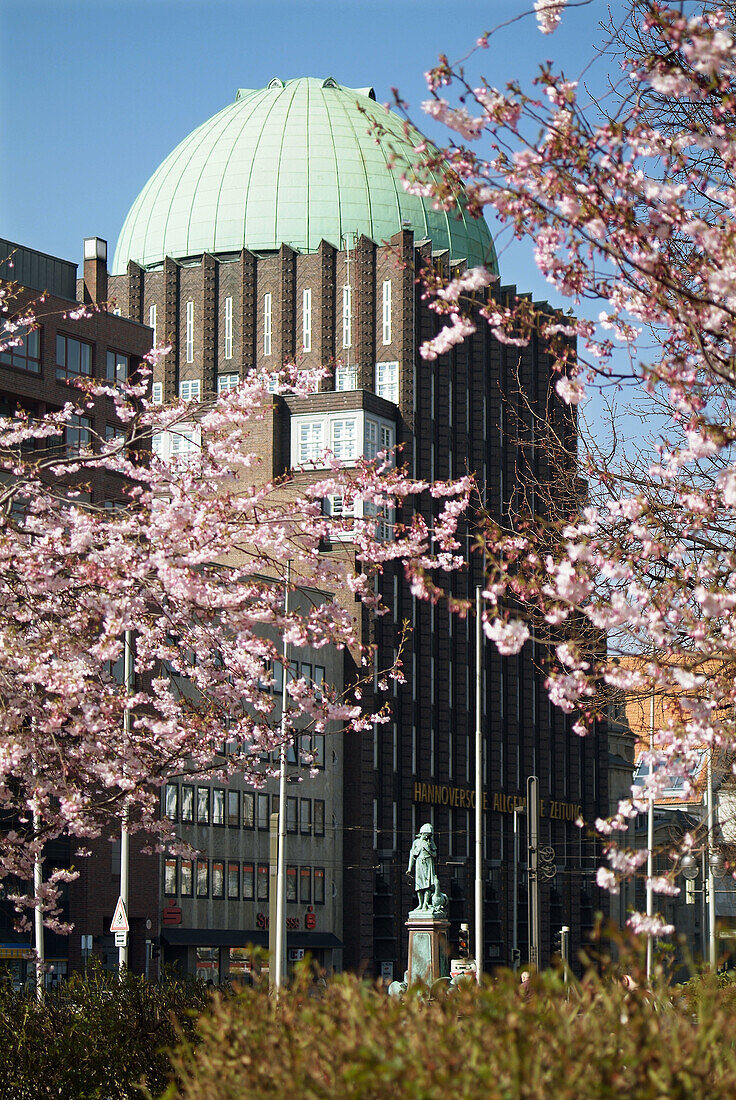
point(280, 938)
point(478, 787)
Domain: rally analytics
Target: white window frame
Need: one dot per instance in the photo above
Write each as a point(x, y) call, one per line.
point(310, 441)
point(190, 389)
point(228, 352)
point(190, 332)
point(386, 311)
point(344, 442)
point(333, 506)
point(267, 319)
point(157, 393)
point(306, 320)
point(347, 316)
point(152, 321)
point(387, 381)
point(227, 382)
point(346, 377)
point(312, 435)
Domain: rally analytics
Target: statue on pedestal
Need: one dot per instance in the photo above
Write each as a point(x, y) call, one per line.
point(422, 861)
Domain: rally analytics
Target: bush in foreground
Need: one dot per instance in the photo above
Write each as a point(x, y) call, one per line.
point(350, 1041)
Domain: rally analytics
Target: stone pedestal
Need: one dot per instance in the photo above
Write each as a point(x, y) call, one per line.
point(428, 956)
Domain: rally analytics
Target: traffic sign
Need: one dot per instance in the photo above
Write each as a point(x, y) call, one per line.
point(121, 939)
point(120, 920)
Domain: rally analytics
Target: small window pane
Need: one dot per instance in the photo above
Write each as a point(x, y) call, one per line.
point(218, 879)
point(186, 878)
point(319, 885)
point(305, 885)
point(319, 817)
point(248, 874)
point(249, 810)
point(187, 803)
point(262, 882)
point(291, 814)
point(291, 884)
point(233, 809)
point(305, 816)
point(203, 805)
point(263, 811)
point(203, 878)
point(171, 801)
point(233, 880)
point(218, 806)
point(170, 877)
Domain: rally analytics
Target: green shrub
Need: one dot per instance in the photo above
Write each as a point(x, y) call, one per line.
point(593, 1040)
point(93, 1039)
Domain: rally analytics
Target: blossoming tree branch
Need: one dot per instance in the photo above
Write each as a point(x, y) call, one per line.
point(629, 202)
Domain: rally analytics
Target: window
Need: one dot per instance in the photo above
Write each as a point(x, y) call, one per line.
point(305, 816)
point(157, 393)
point(190, 390)
point(227, 382)
point(26, 354)
point(73, 358)
point(305, 885)
point(233, 809)
point(273, 383)
point(187, 803)
point(319, 679)
point(319, 750)
point(152, 322)
point(249, 810)
point(117, 368)
point(171, 800)
point(262, 811)
point(170, 877)
point(377, 437)
point(387, 381)
point(310, 441)
point(184, 441)
point(306, 320)
point(218, 879)
point(386, 311)
point(203, 805)
point(262, 882)
point(266, 324)
point(187, 878)
point(291, 814)
point(344, 438)
point(347, 317)
point(218, 806)
point(190, 333)
point(203, 878)
point(228, 328)
point(233, 880)
point(291, 884)
point(319, 885)
point(78, 434)
point(319, 817)
point(248, 872)
point(346, 377)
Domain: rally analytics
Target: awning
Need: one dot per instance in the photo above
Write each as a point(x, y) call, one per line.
point(239, 937)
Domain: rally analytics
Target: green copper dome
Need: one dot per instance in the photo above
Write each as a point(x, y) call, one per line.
point(292, 164)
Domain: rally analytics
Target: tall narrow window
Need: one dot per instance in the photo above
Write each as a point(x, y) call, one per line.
point(386, 312)
point(157, 393)
point(190, 332)
point(307, 320)
point(387, 381)
point(346, 377)
point(266, 324)
point(347, 317)
point(152, 322)
point(228, 328)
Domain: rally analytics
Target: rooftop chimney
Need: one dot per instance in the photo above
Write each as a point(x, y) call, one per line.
point(95, 270)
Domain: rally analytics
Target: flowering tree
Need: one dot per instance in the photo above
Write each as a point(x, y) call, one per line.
point(630, 205)
point(193, 564)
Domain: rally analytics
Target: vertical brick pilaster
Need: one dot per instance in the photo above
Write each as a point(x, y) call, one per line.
point(209, 324)
point(364, 311)
point(171, 327)
point(248, 298)
point(285, 313)
point(134, 309)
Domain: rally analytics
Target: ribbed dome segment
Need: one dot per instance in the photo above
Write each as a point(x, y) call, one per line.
point(292, 163)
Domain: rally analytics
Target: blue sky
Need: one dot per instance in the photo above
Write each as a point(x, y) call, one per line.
point(95, 93)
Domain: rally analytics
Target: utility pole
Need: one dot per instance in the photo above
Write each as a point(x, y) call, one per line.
point(478, 788)
point(515, 899)
point(124, 833)
point(650, 833)
point(710, 885)
point(279, 962)
point(532, 809)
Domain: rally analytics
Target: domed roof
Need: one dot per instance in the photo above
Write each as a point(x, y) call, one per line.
point(292, 164)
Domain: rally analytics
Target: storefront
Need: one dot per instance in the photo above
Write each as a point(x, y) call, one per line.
point(219, 955)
